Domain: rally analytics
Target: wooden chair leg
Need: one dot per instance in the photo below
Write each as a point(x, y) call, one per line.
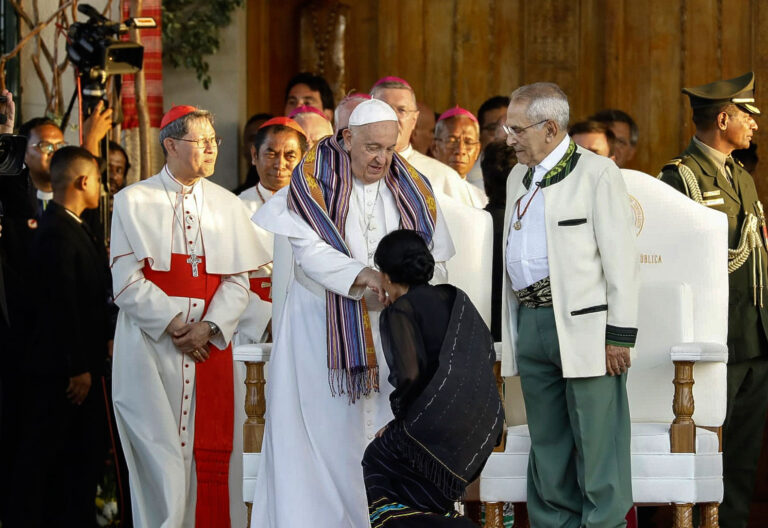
point(472, 511)
point(255, 409)
point(494, 515)
point(521, 515)
point(249, 506)
point(683, 516)
point(708, 512)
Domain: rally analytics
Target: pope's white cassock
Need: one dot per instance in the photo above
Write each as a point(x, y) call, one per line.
point(310, 472)
point(154, 384)
point(444, 179)
point(255, 318)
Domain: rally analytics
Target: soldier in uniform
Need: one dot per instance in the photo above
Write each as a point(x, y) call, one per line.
point(723, 113)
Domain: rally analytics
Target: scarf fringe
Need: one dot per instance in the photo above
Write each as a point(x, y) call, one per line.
point(422, 461)
point(355, 382)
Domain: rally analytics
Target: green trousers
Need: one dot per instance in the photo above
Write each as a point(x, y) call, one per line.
point(579, 471)
point(743, 437)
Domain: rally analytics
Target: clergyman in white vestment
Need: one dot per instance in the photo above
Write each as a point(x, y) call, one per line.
point(401, 97)
point(181, 282)
point(320, 419)
point(277, 148)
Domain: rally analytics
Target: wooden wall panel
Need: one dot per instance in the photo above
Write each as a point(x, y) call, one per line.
point(439, 38)
point(760, 66)
point(257, 58)
point(634, 94)
point(666, 106)
point(604, 53)
point(736, 39)
point(471, 46)
point(590, 92)
point(504, 65)
point(551, 43)
point(362, 46)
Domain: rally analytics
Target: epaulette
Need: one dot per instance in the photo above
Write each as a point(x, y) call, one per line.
point(690, 184)
point(675, 163)
point(671, 164)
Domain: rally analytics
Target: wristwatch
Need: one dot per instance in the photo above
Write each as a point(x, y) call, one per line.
point(214, 329)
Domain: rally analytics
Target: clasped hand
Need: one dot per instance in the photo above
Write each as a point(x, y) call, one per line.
point(617, 360)
point(373, 280)
point(191, 339)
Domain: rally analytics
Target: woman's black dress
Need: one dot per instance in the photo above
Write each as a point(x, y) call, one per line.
point(412, 331)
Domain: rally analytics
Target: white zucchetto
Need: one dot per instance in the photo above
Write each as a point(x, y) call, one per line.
point(371, 111)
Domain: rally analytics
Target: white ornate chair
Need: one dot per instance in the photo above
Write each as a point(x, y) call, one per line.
point(472, 233)
point(470, 269)
point(676, 451)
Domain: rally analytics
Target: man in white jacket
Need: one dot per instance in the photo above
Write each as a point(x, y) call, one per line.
point(570, 314)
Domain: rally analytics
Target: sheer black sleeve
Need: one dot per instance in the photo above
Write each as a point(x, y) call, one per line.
point(405, 353)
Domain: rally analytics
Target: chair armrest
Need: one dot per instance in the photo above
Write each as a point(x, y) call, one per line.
point(497, 348)
point(682, 432)
point(254, 356)
point(708, 352)
point(255, 352)
point(500, 387)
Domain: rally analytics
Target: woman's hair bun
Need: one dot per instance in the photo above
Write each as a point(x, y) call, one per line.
point(405, 257)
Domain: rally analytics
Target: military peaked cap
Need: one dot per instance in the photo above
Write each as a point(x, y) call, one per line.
point(739, 91)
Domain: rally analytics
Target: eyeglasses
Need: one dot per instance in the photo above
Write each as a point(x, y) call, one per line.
point(403, 111)
point(452, 142)
point(47, 147)
point(516, 131)
point(203, 143)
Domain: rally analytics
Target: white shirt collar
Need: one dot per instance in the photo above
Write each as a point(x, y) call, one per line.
point(44, 195)
point(73, 215)
point(407, 151)
point(174, 185)
point(555, 156)
point(715, 155)
point(264, 193)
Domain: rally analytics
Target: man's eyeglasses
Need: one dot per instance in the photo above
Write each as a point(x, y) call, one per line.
point(47, 147)
point(453, 142)
point(403, 111)
point(516, 131)
point(203, 143)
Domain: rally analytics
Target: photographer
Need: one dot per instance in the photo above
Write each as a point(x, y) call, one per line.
point(45, 137)
point(24, 196)
point(18, 205)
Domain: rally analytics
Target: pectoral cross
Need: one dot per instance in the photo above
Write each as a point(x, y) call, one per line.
point(193, 261)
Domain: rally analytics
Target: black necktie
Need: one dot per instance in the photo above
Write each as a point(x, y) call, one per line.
point(730, 171)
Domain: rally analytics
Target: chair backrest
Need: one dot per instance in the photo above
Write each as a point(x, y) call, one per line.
point(683, 255)
point(683, 251)
point(470, 268)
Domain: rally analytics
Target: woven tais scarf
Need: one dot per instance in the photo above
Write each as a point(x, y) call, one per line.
point(320, 191)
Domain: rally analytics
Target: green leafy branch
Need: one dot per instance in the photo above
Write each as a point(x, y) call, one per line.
point(191, 32)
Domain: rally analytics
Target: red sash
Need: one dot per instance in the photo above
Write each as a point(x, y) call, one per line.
point(262, 286)
point(214, 413)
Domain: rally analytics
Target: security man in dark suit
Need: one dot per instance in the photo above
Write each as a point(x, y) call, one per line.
point(724, 113)
point(63, 427)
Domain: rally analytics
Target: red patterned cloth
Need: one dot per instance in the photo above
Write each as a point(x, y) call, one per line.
point(152, 40)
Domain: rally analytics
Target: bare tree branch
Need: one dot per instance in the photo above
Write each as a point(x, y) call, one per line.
point(38, 28)
point(31, 25)
point(46, 87)
point(34, 32)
